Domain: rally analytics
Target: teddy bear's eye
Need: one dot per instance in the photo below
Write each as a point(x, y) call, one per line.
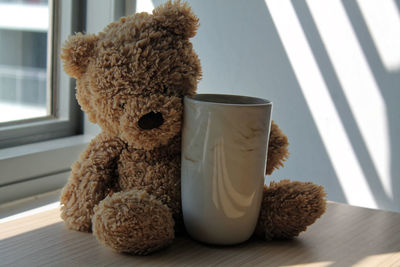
point(122, 105)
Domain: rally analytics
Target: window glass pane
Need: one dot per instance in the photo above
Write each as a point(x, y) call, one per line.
point(23, 59)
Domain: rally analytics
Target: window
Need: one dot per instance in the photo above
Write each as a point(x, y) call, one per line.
point(23, 54)
point(29, 167)
point(37, 100)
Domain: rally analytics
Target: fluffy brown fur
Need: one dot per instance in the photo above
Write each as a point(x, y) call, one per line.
point(131, 80)
point(277, 149)
point(133, 222)
point(288, 208)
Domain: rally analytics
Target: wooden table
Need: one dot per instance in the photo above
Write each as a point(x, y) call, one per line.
point(344, 236)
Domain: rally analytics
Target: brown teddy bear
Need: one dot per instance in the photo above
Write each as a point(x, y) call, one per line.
point(131, 80)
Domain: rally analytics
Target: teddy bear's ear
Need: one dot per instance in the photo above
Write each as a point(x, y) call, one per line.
point(76, 53)
point(177, 17)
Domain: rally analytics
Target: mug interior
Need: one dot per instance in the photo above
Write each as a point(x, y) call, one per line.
point(229, 99)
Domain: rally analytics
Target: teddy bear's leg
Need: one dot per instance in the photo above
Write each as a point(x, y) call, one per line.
point(288, 208)
point(90, 181)
point(133, 222)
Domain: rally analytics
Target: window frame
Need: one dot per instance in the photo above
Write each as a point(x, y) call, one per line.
point(65, 117)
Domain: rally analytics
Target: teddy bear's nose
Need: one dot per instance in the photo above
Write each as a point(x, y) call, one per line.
point(151, 120)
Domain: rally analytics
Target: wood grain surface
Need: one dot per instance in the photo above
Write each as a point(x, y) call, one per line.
point(344, 236)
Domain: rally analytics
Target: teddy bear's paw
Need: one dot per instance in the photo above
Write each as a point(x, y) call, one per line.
point(277, 149)
point(76, 219)
point(288, 208)
point(76, 216)
point(133, 222)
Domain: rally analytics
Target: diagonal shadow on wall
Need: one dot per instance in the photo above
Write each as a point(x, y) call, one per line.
point(389, 85)
point(342, 105)
point(242, 53)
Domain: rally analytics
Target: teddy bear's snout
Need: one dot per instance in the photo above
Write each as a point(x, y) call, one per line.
point(151, 120)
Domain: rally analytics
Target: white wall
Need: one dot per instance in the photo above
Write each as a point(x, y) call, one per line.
point(332, 69)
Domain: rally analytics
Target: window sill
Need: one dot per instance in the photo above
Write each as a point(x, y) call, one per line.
point(27, 206)
point(37, 168)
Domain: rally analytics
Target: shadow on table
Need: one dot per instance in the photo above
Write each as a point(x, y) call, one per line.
point(329, 242)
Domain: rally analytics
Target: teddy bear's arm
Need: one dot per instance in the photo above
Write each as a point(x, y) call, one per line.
point(90, 180)
point(277, 149)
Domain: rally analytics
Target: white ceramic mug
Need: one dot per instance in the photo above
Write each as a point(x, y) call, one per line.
point(224, 155)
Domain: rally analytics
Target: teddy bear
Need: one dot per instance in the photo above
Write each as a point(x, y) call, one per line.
point(125, 188)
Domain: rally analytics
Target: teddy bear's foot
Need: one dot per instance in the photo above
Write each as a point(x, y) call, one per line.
point(288, 208)
point(133, 222)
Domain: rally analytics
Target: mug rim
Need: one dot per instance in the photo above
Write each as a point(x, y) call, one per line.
point(236, 100)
